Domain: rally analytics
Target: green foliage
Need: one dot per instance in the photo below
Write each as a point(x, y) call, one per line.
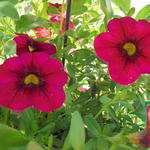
point(77, 132)
point(8, 9)
point(124, 5)
point(98, 118)
point(144, 12)
point(11, 138)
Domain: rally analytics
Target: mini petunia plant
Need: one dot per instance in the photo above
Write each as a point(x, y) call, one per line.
point(74, 75)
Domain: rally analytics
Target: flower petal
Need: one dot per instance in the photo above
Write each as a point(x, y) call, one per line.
point(57, 79)
point(143, 63)
point(21, 41)
point(20, 100)
point(123, 28)
point(142, 29)
point(56, 96)
point(45, 47)
point(41, 100)
point(124, 71)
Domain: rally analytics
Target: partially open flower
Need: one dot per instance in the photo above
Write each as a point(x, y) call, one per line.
point(126, 49)
point(42, 32)
point(26, 44)
point(32, 79)
point(61, 18)
point(142, 138)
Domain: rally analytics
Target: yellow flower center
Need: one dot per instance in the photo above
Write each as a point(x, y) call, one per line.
point(31, 49)
point(130, 48)
point(31, 79)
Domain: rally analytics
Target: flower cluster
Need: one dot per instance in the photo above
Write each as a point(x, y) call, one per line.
point(126, 49)
point(60, 18)
point(32, 78)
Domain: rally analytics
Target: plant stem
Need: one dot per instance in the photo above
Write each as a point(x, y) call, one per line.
point(67, 25)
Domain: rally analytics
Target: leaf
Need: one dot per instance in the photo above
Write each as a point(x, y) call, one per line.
point(10, 47)
point(77, 132)
point(8, 9)
point(131, 11)
point(10, 137)
point(107, 9)
point(12, 1)
point(124, 5)
point(76, 10)
point(90, 145)
point(93, 126)
point(34, 146)
point(27, 22)
point(144, 12)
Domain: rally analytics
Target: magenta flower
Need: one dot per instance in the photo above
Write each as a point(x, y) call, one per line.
point(142, 138)
point(26, 44)
point(42, 32)
point(32, 79)
point(60, 18)
point(126, 49)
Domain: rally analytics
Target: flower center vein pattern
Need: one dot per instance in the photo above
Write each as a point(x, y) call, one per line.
point(130, 48)
point(31, 79)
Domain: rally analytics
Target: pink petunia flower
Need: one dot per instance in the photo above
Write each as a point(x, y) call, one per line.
point(42, 32)
point(61, 17)
point(126, 49)
point(26, 44)
point(32, 79)
point(142, 138)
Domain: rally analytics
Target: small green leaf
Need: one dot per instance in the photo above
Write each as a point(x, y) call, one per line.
point(77, 132)
point(124, 5)
point(52, 10)
point(76, 10)
point(144, 12)
point(107, 9)
point(10, 137)
point(12, 1)
point(8, 9)
point(131, 11)
point(10, 47)
point(93, 126)
point(34, 146)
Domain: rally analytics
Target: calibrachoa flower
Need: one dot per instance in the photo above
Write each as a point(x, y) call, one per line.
point(32, 79)
point(126, 48)
point(142, 138)
point(61, 17)
point(42, 32)
point(26, 44)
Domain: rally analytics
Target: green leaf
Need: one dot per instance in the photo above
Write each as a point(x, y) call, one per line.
point(131, 11)
point(144, 12)
point(76, 10)
point(34, 146)
point(107, 9)
point(124, 5)
point(10, 137)
point(27, 22)
point(10, 47)
point(8, 9)
point(52, 10)
point(77, 132)
point(12, 1)
point(93, 126)
point(90, 145)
